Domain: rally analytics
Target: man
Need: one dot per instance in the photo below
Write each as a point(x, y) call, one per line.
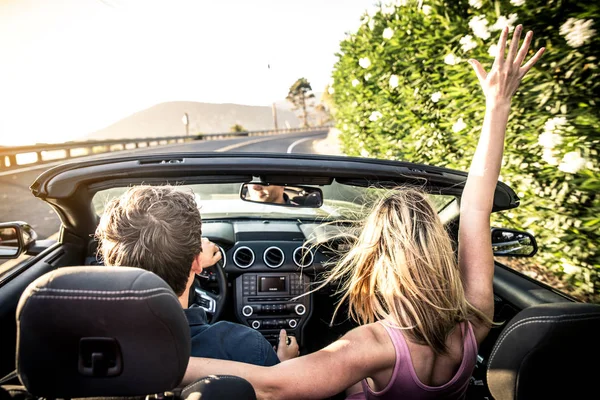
point(159, 229)
point(268, 194)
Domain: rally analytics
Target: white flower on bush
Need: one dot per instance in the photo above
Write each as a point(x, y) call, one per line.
point(394, 81)
point(459, 126)
point(355, 83)
point(375, 115)
point(476, 3)
point(502, 21)
point(549, 157)
point(570, 269)
point(572, 162)
point(467, 43)
point(549, 140)
point(331, 90)
point(493, 50)
point(388, 33)
point(401, 3)
point(364, 62)
point(426, 9)
point(371, 24)
point(436, 97)
point(367, 77)
point(554, 124)
point(479, 26)
point(517, 3)
point(451, 59)
point(577, 31)
point(387, 10)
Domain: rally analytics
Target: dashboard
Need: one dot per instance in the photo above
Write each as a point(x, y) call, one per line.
point(271, 266)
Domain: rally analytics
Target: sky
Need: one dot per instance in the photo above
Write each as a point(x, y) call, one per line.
point(71, 67)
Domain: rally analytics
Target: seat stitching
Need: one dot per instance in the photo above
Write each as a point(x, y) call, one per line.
point(517, 325)
point(210, 378)
point(100, 298)
point(503, 335)
point(132, 291)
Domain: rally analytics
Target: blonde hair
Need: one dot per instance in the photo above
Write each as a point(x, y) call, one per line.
point(402, 269)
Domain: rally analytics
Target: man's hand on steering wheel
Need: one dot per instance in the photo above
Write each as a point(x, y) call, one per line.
point(210, 254)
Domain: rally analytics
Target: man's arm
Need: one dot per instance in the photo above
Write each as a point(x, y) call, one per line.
point(329, 371)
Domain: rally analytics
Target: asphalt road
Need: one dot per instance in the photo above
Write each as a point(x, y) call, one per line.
point(18, 204)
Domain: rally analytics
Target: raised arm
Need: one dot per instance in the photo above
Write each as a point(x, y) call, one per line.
point(359, 354)
point(475, 248)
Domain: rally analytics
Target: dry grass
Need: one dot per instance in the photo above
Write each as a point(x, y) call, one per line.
point(531, 268)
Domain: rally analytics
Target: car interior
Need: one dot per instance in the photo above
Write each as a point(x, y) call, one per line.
point(272, 260)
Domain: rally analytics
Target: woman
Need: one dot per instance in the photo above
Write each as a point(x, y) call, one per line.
point(423, 316)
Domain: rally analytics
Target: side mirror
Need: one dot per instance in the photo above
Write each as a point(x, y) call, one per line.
point(513, 243)
point(282, 195)
point(15, 238)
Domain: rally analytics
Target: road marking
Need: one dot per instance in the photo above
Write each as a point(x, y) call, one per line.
point(297, 142)
point(247, 143)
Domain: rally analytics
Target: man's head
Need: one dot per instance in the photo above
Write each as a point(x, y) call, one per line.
point(157, 228)
point(266, 193)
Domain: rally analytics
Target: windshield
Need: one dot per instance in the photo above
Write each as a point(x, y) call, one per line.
point(222, 201)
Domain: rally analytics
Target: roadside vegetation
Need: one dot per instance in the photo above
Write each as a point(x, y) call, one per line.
point(402, 89)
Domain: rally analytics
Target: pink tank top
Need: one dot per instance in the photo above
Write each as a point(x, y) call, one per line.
point(404, 382)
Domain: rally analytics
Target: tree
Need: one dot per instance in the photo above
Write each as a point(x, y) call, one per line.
point(299, 94)
point(404, 90)
point(322, 114)
point(237, 128)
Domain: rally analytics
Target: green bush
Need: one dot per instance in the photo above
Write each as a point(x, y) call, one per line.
point(403, 90)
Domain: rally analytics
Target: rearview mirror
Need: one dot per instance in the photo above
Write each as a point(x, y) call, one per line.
point(15, 238)
point(513, 243)
point(283, 195)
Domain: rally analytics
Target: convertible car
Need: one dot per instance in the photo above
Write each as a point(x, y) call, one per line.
point(272, 254)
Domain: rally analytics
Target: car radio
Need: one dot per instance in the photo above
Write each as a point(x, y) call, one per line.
point(268, 302)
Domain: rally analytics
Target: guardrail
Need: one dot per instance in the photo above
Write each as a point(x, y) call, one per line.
point(12, 157)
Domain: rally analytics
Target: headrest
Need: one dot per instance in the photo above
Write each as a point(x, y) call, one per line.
point(100, 331)
point(544, 352)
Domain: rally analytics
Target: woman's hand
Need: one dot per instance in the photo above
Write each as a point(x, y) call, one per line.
point(501, 83)
point(287, 347)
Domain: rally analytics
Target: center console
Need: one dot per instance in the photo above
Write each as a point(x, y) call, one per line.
point(267, 302)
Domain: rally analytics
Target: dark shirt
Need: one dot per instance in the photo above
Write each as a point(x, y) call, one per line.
point(228, 341)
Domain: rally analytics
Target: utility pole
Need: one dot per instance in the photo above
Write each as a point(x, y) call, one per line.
point(274, 108)
point(186, 121)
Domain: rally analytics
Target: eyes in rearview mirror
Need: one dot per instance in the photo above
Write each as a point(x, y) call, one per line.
point(513, 243)
point(282, 195)
point(15, 238)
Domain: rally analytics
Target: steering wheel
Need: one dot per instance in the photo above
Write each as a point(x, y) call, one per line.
point(212, 303)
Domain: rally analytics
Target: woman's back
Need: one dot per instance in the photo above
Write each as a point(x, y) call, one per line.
point(417, 371)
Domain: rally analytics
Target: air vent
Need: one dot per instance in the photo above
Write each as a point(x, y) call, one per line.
point(273, 257)
point(243, 257)
point(303, 257)
point(223, 257)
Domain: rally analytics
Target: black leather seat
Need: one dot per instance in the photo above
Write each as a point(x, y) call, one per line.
point(547, 351)
point(107, 332)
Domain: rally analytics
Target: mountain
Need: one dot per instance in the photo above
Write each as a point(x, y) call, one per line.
point(165, 119)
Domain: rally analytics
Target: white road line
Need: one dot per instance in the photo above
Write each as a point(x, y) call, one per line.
point(297, 142)
point(247, 143)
